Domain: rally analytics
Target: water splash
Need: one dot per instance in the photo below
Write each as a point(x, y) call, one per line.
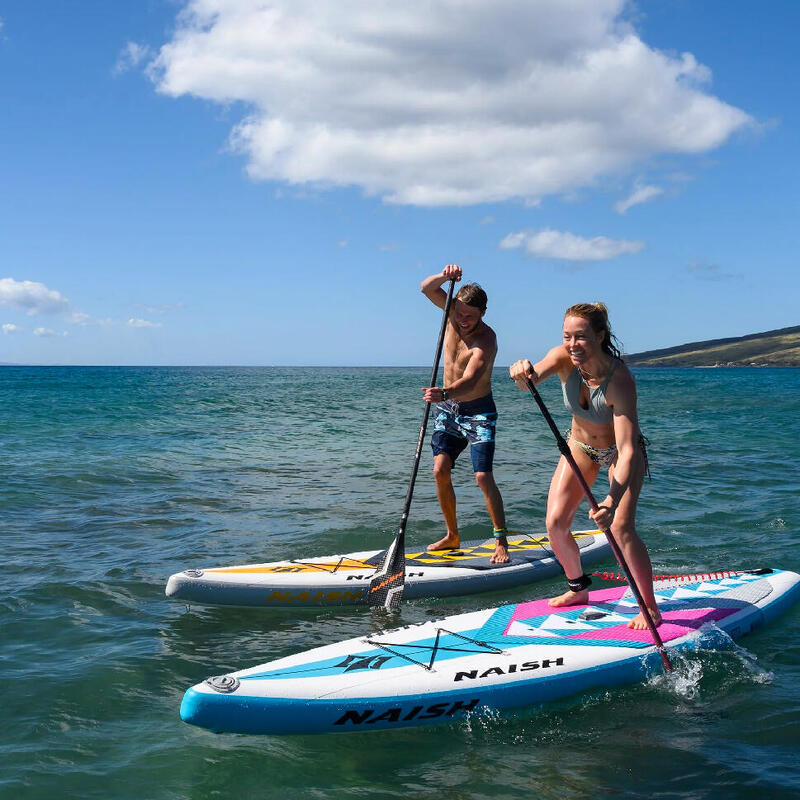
point(707, 664)
point(684, 680)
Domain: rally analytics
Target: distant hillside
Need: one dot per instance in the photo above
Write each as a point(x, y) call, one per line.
point(780, 348)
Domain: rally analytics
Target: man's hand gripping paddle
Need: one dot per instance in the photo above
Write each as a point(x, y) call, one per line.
point(386, 586)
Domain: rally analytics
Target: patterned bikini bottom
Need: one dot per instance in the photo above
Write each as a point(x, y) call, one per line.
point(605, 456)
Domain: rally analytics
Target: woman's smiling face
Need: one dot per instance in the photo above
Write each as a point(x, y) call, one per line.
point(581, 341)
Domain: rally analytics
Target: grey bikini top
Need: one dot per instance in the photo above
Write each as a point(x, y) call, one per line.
point(598, 412)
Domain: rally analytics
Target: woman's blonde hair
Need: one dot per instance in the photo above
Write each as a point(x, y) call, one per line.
point(597, 316)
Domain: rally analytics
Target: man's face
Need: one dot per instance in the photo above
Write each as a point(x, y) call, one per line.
point(466, 318)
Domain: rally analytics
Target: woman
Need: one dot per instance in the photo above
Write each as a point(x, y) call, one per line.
point(600, 393)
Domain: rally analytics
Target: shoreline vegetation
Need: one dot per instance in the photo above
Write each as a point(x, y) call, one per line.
point(778, 348)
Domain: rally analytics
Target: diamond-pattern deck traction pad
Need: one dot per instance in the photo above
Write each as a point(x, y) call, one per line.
point(683, 607)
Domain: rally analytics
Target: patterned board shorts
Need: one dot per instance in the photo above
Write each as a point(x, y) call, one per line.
point(473, 423)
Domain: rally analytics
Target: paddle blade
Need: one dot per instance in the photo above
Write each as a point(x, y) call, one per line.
point(386, 586)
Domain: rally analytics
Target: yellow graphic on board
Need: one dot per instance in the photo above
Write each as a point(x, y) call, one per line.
point(483, 550)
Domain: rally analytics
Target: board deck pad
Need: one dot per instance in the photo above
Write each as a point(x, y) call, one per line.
point(472, 554)
point(345, 579)
point(537, 622)
point(682, 609)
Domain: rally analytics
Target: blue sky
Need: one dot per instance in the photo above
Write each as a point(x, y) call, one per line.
point(252, 182)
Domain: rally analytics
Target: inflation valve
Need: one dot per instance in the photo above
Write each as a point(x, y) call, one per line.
point(225, 684)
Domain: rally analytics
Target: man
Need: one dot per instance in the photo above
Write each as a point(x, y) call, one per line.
point(466, 410)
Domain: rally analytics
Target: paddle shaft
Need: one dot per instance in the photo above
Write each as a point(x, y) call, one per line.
point(426, 413)
point(565, 451)
point(395, 552)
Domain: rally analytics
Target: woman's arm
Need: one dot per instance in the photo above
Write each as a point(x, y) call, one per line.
point(555, 362)
point(622, 397)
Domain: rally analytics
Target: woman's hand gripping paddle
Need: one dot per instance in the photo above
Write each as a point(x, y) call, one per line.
point(565, 451)
point(386, 586)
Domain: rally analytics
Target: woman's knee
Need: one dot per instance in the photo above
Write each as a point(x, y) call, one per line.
point(558, 521)
point(624, 533)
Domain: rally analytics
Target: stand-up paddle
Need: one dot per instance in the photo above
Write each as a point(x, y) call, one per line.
point(386, 586)
point(565, 451)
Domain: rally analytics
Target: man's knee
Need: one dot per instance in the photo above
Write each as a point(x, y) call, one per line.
point(442, 467)
point(485, 480)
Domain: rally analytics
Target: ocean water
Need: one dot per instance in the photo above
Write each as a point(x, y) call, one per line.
point(114, 478)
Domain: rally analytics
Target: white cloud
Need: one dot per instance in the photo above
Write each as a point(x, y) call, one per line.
point(10, 327)
point(640, 194)
point(442, 102)
point(548, 243)
point(131, 56)
point(47, 332)
point(32, 297)
point(143, 323)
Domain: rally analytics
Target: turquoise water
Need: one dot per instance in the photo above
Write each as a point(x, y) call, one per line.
point(114, 478)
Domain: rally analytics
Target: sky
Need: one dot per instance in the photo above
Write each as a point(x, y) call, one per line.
point(267, 182)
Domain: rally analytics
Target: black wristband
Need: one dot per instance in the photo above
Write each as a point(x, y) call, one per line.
point(445, 394)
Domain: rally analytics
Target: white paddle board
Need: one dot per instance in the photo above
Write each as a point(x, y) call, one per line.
point(344, 579)
point(512, 656)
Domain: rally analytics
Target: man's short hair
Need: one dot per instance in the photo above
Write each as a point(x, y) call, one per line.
point(473, 295)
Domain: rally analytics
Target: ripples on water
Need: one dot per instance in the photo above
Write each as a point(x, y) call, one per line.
point(115, 478)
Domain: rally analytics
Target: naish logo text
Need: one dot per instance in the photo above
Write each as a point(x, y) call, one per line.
point(337, 597)
point(363, 662)
point(510, 669)
point(370, 716)
point(364, 577)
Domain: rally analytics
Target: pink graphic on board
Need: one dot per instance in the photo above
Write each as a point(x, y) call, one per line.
point(674, 625)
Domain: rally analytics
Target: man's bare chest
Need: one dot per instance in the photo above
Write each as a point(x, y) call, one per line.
point(458, 353)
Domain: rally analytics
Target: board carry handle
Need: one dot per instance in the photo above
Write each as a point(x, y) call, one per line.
point(386, 586)
point(565, 451)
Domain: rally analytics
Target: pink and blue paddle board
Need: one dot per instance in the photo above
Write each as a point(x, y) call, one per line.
point(500, 658)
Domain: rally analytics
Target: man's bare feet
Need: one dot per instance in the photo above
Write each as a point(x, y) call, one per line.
point(570, 598)
point(638, 622)
point(450, 542)
point(500, 554)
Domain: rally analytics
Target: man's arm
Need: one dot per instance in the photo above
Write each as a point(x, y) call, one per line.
point(475, 369)
point(431, 287)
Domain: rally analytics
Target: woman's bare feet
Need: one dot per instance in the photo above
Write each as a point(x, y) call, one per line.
point(570, 598)
point(638, 623)
point(450, 542)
